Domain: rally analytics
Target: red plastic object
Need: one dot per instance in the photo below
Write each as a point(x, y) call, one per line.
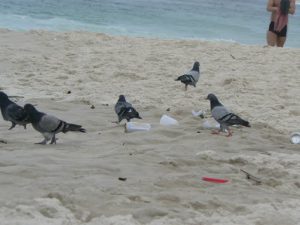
point(214, 180)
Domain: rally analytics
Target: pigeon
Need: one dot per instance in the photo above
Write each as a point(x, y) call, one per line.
point(191, 77)
point(223, 116)
point(124, 110)
point(49, 125)
point(12, 112)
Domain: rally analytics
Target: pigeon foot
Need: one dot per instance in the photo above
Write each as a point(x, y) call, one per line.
point(12, 126)
point(215, 132)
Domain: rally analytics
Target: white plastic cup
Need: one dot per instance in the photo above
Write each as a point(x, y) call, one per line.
point(295, 138)
point(198, 114)
point(207, 124)
point(168, 121)
point(134, 126)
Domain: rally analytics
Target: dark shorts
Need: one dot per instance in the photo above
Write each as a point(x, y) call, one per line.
point(281, 33)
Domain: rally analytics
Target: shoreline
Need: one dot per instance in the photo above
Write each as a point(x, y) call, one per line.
point(225, 41)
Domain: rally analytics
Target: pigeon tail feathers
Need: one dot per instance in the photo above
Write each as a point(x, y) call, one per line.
point(73, 127)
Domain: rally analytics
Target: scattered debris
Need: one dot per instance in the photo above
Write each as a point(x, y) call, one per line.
point(122, 178)
point(167, 121)
point(251, 177)
point(168, 109)
point(198, 114)
point(134, 126)
point(92, 106)
point(69, 92)
point(295, 137)
point(215, 180)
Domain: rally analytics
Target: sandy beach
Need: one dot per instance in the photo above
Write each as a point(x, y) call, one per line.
point(77, 181)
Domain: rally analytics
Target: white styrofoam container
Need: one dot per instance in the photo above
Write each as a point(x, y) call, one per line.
point(167, 121)
point(134, 126)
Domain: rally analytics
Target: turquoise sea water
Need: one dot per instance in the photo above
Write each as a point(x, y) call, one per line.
point(240, 21)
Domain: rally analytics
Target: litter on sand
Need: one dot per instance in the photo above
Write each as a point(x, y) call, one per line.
point(215, 180)
point(134, 126)
point(295, 138)
point(168, 121)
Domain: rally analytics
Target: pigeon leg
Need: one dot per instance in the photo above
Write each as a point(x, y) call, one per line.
point(42, 142)
point(24, 126)
point(12, 125)
point(53, 140)
point(229, 133)
point(185, 88)
point(215, 132)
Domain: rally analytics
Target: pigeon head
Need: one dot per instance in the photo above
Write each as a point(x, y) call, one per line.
point(122, 98)
point(213, 100)
point(3, 98)
point(29, 108)
point(33, 114)
point(196, 66)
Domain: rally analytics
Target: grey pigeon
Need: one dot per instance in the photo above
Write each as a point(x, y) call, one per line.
point(224, 117)
point(12, 112)
point(191, 77)
point(49, 125)
point(125, 110)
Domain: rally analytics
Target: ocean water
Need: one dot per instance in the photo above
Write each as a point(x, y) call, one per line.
point(239, 21)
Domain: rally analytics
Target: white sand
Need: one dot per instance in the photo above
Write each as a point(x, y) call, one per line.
point(76, 181)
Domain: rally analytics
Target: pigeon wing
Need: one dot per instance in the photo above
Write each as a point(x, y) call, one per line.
point(220, 113)
point(15, 113)
point(194, 74)
point(49, 124)
point(120, 107)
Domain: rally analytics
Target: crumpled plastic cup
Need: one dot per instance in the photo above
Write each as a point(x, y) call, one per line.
point(168, 121)
point(198, 114)
point(210, 124)
point(134, 126)
point(295, 138)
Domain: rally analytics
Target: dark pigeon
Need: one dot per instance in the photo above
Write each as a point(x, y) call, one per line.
point(224, 117)
point(12, 112)
point(48, 125)
point(191, 77)
point(125, 110)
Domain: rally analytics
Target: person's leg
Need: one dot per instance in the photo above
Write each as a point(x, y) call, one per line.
point(281, 41)
point(282, 37)
point(271, 38)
